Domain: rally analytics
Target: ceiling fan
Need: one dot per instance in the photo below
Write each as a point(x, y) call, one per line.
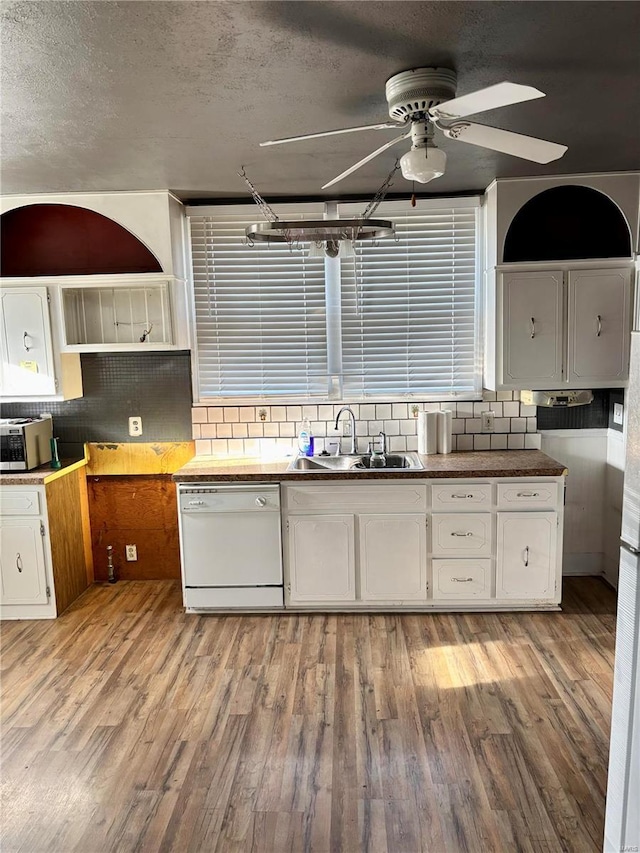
point(422, 100)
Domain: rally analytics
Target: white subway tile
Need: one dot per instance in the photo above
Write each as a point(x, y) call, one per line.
point(464, 442)
point(239, 430)
point(496, 408)
point(515, 442)
point(231, 414)
point(489, 396)
point(498, 442)
point(532, 424)
point(325, 413)
point(504, 395)
point(361, 428)
point(318, 428)
point(465, 410)
point(472, 425)
point(199, 415)
point(533, 441)
point(397, 443)
point(528, 411)
point(355, 408)
point(294, 413)
point(454, 443)
point(412, 442)
point(288, 429)
point(383, 411)
point(310, 412)
point(236, 447)
point(263, 413)
point(278, 413)
point(271, 430)
point(502, 425)
point(399, 411)
point(518, 424)
point(452, 407)
point(431, 407)
point(481, 442)
point(479, 408)
point(457, 425)
point(408, 427)
point(203, 447)
point(367, 411)
point(195, 431)
point(215, 415)
point(511, 410)
point(375, 427)
point(256, 430)
point(392, 427)
point(252, 446)
point(219, 447)
point(516, 395)
point(223, 431)
point(247, 414)
point(209, 430)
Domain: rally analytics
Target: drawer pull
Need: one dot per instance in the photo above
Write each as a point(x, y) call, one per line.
point(462, 580)
point(463, 497)
point(525, 556)
point(461, 534)
point(19, 563)
point(528, 495)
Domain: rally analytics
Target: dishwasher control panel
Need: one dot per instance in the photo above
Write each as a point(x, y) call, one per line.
point(256, 498)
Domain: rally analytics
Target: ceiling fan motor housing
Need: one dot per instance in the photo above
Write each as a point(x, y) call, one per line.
point(419, 90)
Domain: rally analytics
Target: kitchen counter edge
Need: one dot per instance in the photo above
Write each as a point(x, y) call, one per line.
point(471, 464)
point(40, 476)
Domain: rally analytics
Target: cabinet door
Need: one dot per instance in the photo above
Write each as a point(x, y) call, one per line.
point(27, 355)
point(532, 329)
point(599, 325)
point(393, 557)
point(22, 572)
point(321, 557)
point(526, 565)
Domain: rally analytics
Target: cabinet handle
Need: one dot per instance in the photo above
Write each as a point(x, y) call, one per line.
point(462, 580)
point(528, 494)
point(525, 557)
point(599, 318)
point(461, 534)
point(19, 563)
point(533, 328)
point(24, 341)
point(462, 497)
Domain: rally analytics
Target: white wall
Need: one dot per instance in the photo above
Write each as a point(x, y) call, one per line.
point(613, 505)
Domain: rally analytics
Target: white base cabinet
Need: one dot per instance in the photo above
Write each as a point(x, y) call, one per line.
point(387, 544)
point(22, 562)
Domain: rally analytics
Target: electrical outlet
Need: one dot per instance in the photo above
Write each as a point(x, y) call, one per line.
point(131, 552)
point(487, 424)
point(346, 428)
point(135, 425)
point(618, 413)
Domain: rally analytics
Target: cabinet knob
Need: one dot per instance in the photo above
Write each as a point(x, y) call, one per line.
point(261, 501)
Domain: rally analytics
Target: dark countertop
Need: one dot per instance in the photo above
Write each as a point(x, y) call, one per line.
point(486, 463)
point(40, 476)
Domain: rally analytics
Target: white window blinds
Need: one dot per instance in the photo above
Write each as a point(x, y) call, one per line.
point(410, 307)
point(260, 310)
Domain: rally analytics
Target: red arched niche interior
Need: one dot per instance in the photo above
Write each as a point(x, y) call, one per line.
point(61, 239)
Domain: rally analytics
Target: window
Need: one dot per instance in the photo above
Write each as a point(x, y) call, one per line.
point(399, 320)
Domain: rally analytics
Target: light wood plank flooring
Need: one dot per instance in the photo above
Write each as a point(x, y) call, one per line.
point(130, 726)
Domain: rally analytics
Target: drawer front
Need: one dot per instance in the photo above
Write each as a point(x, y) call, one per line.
point(461, 579)
point(527, 495)
point(19, 501)
point(461, 534)
point(461, 498)
point(340, 498)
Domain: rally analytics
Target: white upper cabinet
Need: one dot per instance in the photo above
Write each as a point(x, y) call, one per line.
point(31, 368)
point(599, 311)
point(532, 328)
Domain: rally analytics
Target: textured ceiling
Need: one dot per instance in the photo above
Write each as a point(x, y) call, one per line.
point(104, 96)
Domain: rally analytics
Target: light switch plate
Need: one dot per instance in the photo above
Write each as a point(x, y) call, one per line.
point(618, 413)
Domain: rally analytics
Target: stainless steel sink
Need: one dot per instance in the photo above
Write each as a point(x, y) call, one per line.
point(344, 464)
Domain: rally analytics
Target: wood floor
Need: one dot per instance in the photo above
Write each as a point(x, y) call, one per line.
point(129, 726)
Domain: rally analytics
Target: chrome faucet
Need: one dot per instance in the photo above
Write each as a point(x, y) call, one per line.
point(353, 451)
point(383, 442)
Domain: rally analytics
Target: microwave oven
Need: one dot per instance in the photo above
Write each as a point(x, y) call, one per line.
point(25, 443)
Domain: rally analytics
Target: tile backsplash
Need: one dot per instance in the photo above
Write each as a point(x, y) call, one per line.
point(272, 430)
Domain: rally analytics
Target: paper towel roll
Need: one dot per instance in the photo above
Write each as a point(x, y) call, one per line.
point(427, 432)
point(445, 423)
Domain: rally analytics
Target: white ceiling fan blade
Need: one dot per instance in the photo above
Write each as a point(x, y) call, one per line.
point(383, 125)
point(500, 95)
point(366, 159)
point(527, 147)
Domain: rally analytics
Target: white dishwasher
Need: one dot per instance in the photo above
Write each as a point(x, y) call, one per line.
point(230, 546)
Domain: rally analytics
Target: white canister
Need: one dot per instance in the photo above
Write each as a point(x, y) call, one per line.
point(427, 432)
point(445, 424)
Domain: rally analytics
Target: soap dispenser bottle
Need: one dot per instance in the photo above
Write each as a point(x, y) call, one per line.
point(305, 438)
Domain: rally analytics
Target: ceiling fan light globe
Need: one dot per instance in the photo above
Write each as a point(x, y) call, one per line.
point(423, 164)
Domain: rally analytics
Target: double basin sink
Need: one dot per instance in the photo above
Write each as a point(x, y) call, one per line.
point(345, 464)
